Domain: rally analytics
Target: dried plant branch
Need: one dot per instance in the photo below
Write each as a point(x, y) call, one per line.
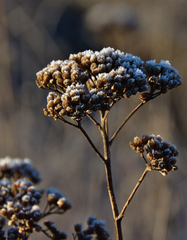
point(122, 213)
point(90, 141)
point(108, 171)
point(65, 121)
point(125, 121)
point(156, 95)
point(45, 232)
point(112, 198)
point(144, 158)
point(94, 121)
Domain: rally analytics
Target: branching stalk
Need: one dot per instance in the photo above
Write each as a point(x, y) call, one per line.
point(94, 121)
point(90, 142)
point(125, 121)
point(122, 214)
point(65, 121)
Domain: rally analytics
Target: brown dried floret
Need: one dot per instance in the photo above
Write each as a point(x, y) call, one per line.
point(58, 75)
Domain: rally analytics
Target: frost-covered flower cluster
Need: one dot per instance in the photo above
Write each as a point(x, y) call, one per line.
point(118, 74)
point(160, 154)
point(91, 81)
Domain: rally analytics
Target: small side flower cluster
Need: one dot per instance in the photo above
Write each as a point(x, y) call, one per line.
point(160, 154)
point(19, 201)
point(96, 230)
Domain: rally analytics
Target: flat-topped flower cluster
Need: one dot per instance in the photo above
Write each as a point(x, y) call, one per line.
point(91, 81)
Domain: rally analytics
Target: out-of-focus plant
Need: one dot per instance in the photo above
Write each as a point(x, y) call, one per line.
point(85, 83)
point(20, 200)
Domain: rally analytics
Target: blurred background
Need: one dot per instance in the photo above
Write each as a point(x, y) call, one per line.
point(35, 32)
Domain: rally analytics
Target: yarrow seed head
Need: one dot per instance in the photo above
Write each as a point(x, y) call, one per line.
point(112, 74)
point(160, 154)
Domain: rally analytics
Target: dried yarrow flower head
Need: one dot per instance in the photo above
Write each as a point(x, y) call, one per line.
point(18, 168)
point(91, 81)
point(110, 74)
point(159, 154)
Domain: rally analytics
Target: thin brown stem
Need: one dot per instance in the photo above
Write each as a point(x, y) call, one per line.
point(106, 115)
point(79, 126)
point(94, 121)
point(156, 95)
point(125, 121)
point(144, 158)
point(45, 232)
point(113, 202)
point(45, 209)
point(65, 121)
point(122, 214)
point(108, 171)
point(90, 141)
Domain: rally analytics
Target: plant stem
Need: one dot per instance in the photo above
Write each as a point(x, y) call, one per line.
point(65, 121)
point(113, 203)
point(110, 187)
point(94, 121)
point(90, 141)
point(122, 214)
point(124, 122)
